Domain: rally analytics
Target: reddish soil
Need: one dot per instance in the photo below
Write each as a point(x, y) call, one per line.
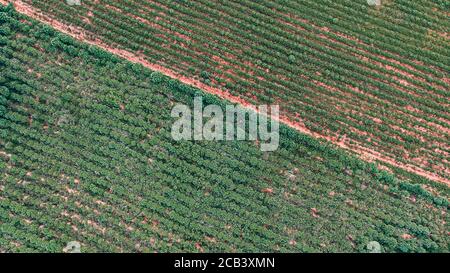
point(80, 34)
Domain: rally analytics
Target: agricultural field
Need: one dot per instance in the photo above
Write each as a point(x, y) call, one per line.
point(373, 80)
point(87, 155)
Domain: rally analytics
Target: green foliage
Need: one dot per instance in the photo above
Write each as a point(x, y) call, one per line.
point(5, 30)
point(87, 155)
point(205, 75)
point(156, 77)
point(292, 59)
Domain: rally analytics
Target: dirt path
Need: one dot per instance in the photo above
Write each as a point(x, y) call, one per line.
point(80, 34)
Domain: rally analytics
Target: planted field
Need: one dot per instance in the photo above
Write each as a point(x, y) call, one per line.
point(86, 154)
point(373, 80)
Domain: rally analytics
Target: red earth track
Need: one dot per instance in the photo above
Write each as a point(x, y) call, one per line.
point(80, 34)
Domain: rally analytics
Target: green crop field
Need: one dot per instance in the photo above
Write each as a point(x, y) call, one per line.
point(374, 79)
point(87, 154)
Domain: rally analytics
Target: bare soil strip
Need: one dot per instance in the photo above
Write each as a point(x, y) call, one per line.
point(81, 35)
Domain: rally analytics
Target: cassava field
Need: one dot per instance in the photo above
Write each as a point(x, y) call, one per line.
point(86, 152)
point(374, 80)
